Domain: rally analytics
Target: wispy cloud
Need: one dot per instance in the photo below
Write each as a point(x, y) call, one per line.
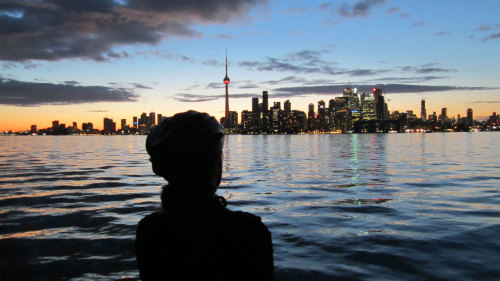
point(53, 30)
point(330, 89)
point(168, 55)
point(359, 9)
point(419, 24)
point(488, 27)
point(392, 10)
point(443, 33)
point(491, 101)
point(294, 11)
point(426, 68)
point(184, 97)
point(491, 37)
point(20, 93)
point(306, 62)
point(387, 88)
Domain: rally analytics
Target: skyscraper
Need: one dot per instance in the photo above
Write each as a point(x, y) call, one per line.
point(255, 104)
point(288, 106)
point(109, 125)
point(265, 101)
point(423, 111)
point(469, 116)
point(226, 83)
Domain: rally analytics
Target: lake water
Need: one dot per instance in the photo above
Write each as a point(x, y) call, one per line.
point(340, 207)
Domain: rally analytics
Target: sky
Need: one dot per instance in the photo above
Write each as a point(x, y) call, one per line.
point(81, 61)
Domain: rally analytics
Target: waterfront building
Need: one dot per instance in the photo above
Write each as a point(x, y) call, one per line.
point(109, 126)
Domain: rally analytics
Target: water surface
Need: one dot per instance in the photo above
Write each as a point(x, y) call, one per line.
point(340, 207)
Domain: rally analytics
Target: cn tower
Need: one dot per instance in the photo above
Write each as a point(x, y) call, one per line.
point(226, 82)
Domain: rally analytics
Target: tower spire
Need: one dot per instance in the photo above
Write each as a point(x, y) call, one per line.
point(226, 81)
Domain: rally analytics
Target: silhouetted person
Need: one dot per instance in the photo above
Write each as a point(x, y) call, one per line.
point(194, 236)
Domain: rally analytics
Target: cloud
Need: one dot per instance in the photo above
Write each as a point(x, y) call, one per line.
point(404, 15)
point(167, 55)
point(332, 89)
point(20, 93)
point(392, 10)
point(491, 37)
point(408, 79)
point(213, 62)
point(55, 29)
point(387, 88)
point(359, 9)
point(426, 68)
point(224, 36)
point(294, 11)
point(304, 62)
point(442, 33)
point(491, 101)
point(183, 97)
point(419, 24)
point(487, 27)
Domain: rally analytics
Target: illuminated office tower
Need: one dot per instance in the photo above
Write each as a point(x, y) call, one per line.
point(75, 125)
point(233, 119)
point(423, 111)
point(159, 117)
point(246, 124)
point(368, 107)
point(123, 124)
point(376, 93)
point(135, 123)
point(348, 92)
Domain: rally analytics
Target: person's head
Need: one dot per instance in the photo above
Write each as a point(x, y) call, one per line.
point(186, 150)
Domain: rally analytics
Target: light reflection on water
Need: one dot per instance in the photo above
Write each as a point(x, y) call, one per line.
point(361, 207)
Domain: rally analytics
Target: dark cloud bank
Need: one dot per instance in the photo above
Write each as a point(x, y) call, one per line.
point(18, 93)
point(57, 29)
point(333, 90)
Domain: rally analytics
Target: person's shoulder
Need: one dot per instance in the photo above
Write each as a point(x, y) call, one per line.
point(246, 220)
point(153, 218)
point(245, 216)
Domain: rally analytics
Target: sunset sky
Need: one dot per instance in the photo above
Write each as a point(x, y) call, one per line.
point(81, 61)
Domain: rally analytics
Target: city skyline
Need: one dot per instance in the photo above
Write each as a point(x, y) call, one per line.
point(144, 122)
point(113, 58)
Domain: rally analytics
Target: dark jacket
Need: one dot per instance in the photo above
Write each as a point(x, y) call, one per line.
point(203, 241)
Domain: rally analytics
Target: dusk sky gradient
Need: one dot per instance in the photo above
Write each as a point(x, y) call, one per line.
point(81, 61)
